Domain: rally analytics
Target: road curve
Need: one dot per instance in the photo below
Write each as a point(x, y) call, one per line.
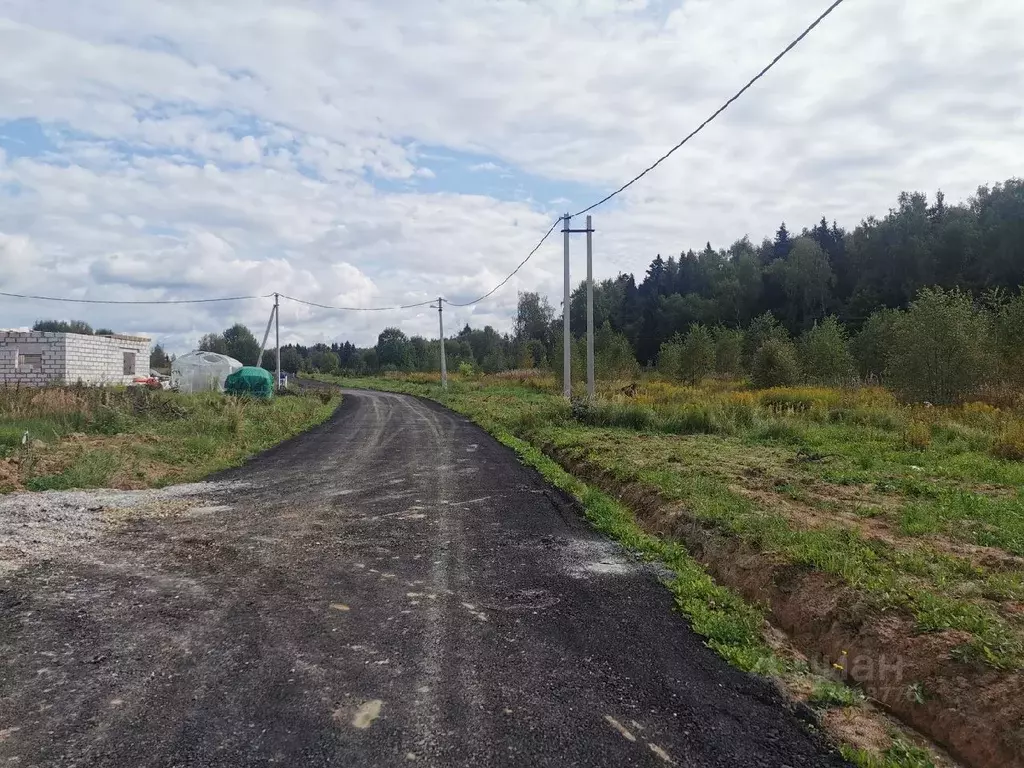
point(389, 589)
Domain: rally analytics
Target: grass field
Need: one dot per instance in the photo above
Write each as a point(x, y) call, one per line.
point(92, 438)
point(914, 510)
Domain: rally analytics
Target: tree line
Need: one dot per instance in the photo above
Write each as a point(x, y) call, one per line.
point(827, 305)
point(820, 304)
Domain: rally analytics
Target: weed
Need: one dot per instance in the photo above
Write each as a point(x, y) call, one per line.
point(918, 436)
point(234, 415)
point(1010, 444)
point(829, 693)
point(916, 693)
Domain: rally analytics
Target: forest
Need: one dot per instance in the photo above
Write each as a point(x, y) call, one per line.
point(821, 304)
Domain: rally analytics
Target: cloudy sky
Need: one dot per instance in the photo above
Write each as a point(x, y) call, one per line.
point(381, 152)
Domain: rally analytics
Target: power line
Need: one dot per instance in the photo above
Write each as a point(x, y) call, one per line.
point(356, 309)
point(139, 301)
point(717, 112)
point(668, 154)
point(514, 271)
point(206, 301)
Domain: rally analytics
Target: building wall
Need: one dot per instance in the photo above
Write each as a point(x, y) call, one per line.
point(15, 345)
point(69, 358)
point(100, 359)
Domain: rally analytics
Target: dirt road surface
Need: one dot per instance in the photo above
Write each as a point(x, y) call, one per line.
point(390, 589)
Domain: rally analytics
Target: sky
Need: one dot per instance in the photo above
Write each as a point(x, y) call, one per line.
point(383, 152)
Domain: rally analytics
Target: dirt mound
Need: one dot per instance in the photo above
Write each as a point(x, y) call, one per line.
point(10, 476)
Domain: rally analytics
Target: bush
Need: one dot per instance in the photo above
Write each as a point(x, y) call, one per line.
point(942, 348)
point(871, 345)
point(697, 355)
point(775, 365)
point(728, 351)
point(670, 358)
point(761, 329)
point(825, 355)
point(613, 356)
point(577, 359)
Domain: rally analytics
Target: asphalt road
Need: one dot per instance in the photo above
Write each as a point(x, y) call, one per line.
point(392, 588)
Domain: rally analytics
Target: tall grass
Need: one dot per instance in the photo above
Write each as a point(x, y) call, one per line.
point(171, 436)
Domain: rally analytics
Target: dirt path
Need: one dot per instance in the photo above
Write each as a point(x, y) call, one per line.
point(391, 588)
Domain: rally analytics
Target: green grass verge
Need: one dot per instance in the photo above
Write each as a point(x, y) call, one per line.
point(136, 439)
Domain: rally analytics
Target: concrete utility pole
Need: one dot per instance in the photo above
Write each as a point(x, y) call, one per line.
point(566, 335)
point(266, 335)
point(567, 340)
point(590, 310)
point(444, 360)
point(277, 334)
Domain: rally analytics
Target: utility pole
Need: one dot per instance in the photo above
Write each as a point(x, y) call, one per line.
point(567, 341)
point(266, 335)
point(566, 335)
point(590, 310)
point(444, 361)
point(277, 333)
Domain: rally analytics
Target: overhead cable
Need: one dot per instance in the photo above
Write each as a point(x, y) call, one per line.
point(668, 154)
point(717, 112)
point(133, 301)
point(514, 271)
point(357, 309)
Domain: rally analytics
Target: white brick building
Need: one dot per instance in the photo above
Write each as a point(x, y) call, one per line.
point(36, 358)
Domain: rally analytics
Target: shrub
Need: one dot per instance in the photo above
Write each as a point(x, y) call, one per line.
point(697, 355)
point(942, 348)
point(613, 356)
point(825, 355)
point(775, 365)
point(728, 351)
point(670, 358)
point(917, 435)
point(761, 329)
point(1008, 326)
point(871, 345)
point(577, 359)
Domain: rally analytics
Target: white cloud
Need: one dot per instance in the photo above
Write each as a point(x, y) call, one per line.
point(227, 148)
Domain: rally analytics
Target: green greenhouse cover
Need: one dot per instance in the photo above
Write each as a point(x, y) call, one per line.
point(251, 381)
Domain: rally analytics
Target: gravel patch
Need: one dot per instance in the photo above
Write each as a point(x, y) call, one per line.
point(36, 527)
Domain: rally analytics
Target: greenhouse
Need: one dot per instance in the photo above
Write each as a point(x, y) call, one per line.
point(202, 372)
